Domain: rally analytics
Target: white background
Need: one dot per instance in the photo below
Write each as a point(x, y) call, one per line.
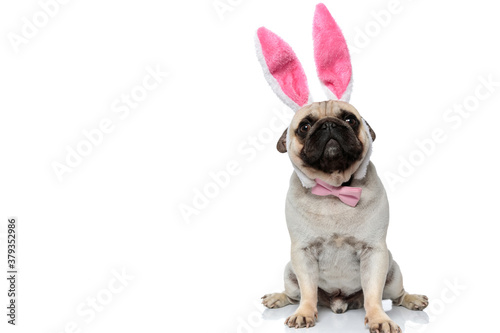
point(119, 209)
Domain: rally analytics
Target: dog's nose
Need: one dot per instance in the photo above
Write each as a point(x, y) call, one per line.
point(328, 125)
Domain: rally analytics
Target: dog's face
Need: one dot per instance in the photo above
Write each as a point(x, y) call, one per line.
point(327, 140)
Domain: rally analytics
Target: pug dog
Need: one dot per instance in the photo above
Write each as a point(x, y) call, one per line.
point(336, 209)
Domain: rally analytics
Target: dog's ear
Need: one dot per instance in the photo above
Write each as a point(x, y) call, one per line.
point(372, 133)
point(281, 145)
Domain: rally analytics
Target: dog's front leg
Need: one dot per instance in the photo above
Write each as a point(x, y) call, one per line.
point(374, 265)
point(306, 268)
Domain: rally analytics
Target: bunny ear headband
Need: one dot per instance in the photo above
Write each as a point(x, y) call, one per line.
point(285, 75)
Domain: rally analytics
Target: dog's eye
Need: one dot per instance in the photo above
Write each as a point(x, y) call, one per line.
point(351, 120)
point(304, 127)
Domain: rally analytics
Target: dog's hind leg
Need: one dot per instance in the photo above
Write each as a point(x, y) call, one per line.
point(395, 291)
point(291, 295)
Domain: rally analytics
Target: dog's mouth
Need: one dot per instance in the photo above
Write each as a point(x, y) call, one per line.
point(331, 148)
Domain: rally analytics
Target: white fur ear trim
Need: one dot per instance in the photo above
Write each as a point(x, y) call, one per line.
point(329, 94)
point(347, 93)
point(361, 172)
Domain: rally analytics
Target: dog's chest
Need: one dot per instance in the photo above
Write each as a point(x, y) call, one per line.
point(338, 258)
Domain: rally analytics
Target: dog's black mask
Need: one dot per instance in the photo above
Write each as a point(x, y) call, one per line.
point(330, 144)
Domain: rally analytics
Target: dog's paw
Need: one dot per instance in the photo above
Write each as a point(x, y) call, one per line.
point(276, 300)
point(305, 316)
point(415, 302)
point(382, 324)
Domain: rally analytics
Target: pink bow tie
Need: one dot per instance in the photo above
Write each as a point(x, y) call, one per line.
point(348, 195)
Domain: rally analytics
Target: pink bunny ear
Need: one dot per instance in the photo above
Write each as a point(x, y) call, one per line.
point(331, 55)
point(282, 69)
